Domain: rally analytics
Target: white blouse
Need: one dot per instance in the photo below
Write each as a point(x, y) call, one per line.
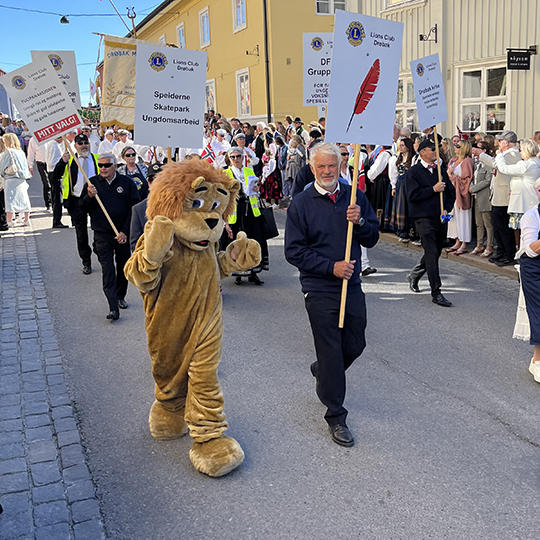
point(530, 225)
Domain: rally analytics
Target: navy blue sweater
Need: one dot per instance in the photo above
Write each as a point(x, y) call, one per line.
point(316, 235)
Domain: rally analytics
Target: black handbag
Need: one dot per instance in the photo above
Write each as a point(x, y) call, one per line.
point(270, 229)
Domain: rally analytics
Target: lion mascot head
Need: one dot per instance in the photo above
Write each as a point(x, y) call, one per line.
point(197, 198)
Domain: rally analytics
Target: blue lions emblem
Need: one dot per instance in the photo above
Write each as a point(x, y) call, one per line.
point(18, 82)
point(420, 70)
point(56, 61)
point(317, 43)
point(158, 61)
point(355, 33)
point(120, 189)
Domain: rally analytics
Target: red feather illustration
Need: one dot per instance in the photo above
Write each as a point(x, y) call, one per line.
point(366, 90)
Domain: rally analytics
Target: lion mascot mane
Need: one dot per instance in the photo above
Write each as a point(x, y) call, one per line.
point(177, 268)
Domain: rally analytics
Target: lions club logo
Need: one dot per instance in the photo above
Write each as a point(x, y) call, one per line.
point(120, 189)
point(317, 43)
point(420, 70)
point(18, 82)
point(56, 61)
point(355, 33)
point(158, 61)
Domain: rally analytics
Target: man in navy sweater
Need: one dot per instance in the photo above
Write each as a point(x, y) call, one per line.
point(423, 199)
point(315, 238)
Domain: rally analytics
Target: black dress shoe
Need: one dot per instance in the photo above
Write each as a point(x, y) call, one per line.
point(238, 280)
point(368, 271)
point(122, 304)
point(413, 283)
point(86, 269)
point(440, 300)
point(313, 369)
point(114, 315)
point(60, 226)
point(505, 262)
point(341, 435)
point(495, 259)
point(254, 278)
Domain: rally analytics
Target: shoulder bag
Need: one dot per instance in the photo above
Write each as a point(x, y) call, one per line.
point(270, 229)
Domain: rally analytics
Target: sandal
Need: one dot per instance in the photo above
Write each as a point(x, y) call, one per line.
point(461, 251)
point(477, 250)
point(487, 253)
point(452, 249)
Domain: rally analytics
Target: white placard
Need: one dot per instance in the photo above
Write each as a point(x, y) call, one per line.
point(429, 91)
point(363, 83)
point(41, 99)
point(317, 66)
point(170, 96)
point(65, 66)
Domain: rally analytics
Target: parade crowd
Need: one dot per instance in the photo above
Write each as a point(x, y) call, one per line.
point(490, 184)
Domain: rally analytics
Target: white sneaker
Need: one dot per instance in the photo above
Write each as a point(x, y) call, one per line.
point(534, 369)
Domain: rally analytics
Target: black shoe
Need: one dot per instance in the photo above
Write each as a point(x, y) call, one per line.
point(254, 278)
point(122, 304)
point(495, 259)
point(238, 281)
point(114, 315)
point(413, 283)
point(369, 270)
point(60, 226)
point(440, 300)
point(4, 227)
point(341, 435)
point(313, 369)
point(505, 262)
point(86, 269)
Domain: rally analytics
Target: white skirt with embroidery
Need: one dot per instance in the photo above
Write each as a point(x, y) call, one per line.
point(522, 329)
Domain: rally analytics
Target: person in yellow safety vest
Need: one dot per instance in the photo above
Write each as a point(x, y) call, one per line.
point(247, 216)
point(72, 183)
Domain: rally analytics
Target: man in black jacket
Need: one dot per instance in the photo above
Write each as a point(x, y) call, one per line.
point(423, 188)
point(315, 238)
point(118, 193)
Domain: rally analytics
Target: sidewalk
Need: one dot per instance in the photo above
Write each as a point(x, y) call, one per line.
point(46, 491)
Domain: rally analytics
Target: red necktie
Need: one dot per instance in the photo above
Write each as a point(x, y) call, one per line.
point(333, 196)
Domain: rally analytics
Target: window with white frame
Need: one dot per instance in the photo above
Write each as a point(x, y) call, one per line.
point(328, 7)
point(181, 35)
point(482, 99)
point(239, 14)
point(406, 113)
point(211, 95)
point(243, 96)
point(204, 27)
point(162, 40)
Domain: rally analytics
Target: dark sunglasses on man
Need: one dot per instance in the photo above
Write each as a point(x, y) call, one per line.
point(130, 155)
point(105, 165)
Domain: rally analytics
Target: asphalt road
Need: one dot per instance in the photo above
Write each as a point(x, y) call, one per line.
point(441, 404)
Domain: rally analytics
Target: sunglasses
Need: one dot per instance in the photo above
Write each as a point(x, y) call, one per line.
point(130, 155)
point(236, 157)
point(83, 143)
point(344, 153)
point(105, 165)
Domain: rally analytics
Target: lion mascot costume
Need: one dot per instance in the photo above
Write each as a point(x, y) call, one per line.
point(177, 268)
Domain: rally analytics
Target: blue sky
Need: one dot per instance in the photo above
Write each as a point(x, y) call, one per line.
point(25, 31)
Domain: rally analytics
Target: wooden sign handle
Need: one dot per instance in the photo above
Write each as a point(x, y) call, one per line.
point(439, 173)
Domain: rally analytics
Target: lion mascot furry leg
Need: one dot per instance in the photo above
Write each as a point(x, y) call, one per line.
point(177, 269)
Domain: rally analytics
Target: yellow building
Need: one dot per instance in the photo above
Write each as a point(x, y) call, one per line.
point(233, 34)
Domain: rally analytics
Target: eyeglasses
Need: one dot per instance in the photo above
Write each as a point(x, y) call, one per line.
point(83, 143)
point(105, 165)
point(236, 157)
point(130, 155)
point(344, 153)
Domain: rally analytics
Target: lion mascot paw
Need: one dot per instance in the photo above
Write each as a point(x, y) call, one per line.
point(177, 268)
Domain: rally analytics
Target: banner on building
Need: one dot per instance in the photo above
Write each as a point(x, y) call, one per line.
point(429, 91)
point(118, 84)
point(363, 84)
point(41, 99)
point(65, 66)
point(170, 100)
point(317, 66)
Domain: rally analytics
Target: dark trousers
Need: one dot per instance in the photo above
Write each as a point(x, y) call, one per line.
point(336, 348)
point(432, 235)
point(3, 218)
point(79, 219)
point(56, 199)
point(42, 168)
point(504, 236)
point(108, 250)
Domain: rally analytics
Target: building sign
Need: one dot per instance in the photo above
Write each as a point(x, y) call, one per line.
point(170, 97)
point(518, 59)
point(429, 91)
point(362, 101)
point(317, 65)
point(41, 99)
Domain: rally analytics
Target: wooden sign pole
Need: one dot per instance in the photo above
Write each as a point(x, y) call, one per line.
point(348, 246)
point(68, 147)
point(436, 139)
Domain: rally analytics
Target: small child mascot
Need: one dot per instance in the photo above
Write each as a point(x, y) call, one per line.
point(177, 268)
